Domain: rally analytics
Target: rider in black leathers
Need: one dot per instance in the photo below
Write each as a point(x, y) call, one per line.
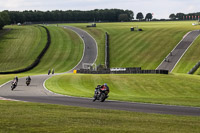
point(28, 78)
point(99, 89)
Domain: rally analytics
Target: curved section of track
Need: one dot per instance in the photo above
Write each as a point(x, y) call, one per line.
point(36, 92)
point(90, 49)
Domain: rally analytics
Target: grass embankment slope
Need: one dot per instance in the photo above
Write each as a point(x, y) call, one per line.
point(162, 89)
point(144, 49)
point(20, 46)
point(32, 117)
point(64, 53)
point(148, 49)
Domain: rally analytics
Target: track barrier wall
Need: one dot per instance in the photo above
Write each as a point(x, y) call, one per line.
point(193, 70)
point(125, 71)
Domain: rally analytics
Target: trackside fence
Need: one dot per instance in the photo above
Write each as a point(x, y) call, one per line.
point(126, 71)
point(107, 64)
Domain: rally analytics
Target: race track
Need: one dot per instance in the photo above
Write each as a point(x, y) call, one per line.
point(37, 93)
point(177, 53)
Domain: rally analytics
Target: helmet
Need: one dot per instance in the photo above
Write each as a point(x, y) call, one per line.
point(105, 84)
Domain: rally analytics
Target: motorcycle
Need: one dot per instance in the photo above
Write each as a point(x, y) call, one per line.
point(28, 82)
point(13, 85)
point(100, 94)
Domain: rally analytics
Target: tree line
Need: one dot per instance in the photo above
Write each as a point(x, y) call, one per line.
point(4, 19)
point(182, 16)
point(109, 15)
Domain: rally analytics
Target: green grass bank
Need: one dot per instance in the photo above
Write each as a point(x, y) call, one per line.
point(173, 89)
point(64, 53)
point(26, 117)
point(144, 49)
point(20, 46)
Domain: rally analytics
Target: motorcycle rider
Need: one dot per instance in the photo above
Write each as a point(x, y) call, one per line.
point(14, 82)
point(49, 72)
point(16, 78)
point(100, 88)
point(105, 86)
point(28, 78)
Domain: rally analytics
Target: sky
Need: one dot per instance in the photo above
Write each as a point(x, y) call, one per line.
point(160, 8)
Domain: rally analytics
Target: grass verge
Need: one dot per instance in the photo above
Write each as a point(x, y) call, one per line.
point(34, 117)
point(173, 89)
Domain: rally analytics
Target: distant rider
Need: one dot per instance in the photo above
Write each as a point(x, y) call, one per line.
point(49, 72)
point(28, 78)
point(15, 81)
point(16, 78)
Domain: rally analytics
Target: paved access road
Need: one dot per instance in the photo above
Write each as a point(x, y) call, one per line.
point(176, 54)
point(36, 92)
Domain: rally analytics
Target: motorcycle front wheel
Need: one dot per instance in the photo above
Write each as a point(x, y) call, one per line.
point(102, 97)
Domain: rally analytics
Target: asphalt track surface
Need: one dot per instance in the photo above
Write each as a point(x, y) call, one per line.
point(177, 53)
point(36, 92)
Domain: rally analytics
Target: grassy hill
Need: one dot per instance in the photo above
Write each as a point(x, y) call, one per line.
point(64, 53)
point(144, 49)
point(170, 89)
point(20, 46)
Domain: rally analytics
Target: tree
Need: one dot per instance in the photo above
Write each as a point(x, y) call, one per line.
point(172, 16)
point(179, 16)
point(123, 17)
point(140, 16)
point(130, 14)
point(148, 16)
point(4, 19)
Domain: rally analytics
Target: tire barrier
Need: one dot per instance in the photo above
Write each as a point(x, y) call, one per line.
point(193, 70)
point(126, 71)
point(107, 64)
point(37, 61)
